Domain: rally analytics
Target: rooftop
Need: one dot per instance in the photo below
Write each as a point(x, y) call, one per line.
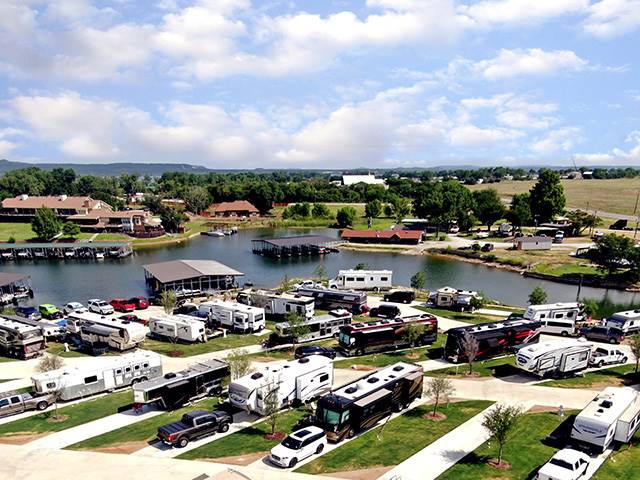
point(401, 234)
point(369, 179)
point(175, 270)
point(236, 206)
point(59, 201)
point(298, 240)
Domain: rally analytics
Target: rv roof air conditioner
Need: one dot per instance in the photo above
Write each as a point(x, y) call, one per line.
point(606, 404)
point(256, 376)
point(373, 380)
point(352, 389)
point(170, 375)
point(397, 368)
point(303, 360)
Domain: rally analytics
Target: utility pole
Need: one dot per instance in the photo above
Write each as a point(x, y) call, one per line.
point(636, 206)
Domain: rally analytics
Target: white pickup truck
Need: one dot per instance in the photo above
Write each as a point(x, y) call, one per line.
point(607, 355)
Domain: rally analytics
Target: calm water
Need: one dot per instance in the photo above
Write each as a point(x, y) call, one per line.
point(59, 282)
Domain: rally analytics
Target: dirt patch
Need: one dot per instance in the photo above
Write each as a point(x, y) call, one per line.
point(176, 353)
point(435, 416)
point(21, 438)
point(57, 418)
point(126, 447)
point(243, 460)
point(365, 474)
point(275, 436)
point(499, 466)
point(412, 356)
point(542, 409)
point(264, 359)
point(364, 368)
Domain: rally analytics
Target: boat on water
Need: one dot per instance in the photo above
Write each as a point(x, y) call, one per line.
point(69, 254)
point(99, 256)
point(22, 254)
point(7, 255)
point(214, 233)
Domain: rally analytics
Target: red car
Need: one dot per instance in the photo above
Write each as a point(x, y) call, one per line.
point(140, 302)
point(133, 318)
point(122, 305)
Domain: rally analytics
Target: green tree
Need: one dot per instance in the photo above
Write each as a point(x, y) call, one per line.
point(168, 300)
point(239, 363)
point(519, 213)
point(488, 206)
point(373, 209)
point(413, 333)
point(537, 296)
point(272, 407)
point(611, 251)
point(345, 217)
point(635, 350)
point(443, 203)
point(298, 327)
point(401, 208)
point(438, 387)
point(286, 284)
point(70, 229)
point(196, 199)
point(477, 302)
point(45, 224)
point(547, 196)
point(388, 210)
point(361, 266)
point(321, 272)
point(590, 307)
point(320, 210)
point(499, 422)
point(581, 220)
point(418, 281)
point(172, 219)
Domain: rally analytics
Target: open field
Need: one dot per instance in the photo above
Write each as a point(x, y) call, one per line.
point(75, 414)
point(616, 196)
point(402, 437)
point(525, 451)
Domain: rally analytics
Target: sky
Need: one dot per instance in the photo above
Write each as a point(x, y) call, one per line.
point(324, 84)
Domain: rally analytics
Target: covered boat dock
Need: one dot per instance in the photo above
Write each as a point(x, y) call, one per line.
point(294, 246)
point(64, 250)
point(190, 277)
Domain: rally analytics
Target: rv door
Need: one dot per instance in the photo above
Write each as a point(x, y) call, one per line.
point(118, 376)
point(109, 379)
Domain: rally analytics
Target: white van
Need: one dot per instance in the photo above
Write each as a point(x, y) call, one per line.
point(557, 318)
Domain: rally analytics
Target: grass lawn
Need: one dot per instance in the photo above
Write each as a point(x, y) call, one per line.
point(187, 350)
point(57, 348)
point(402, 437)
point(622, 463)
point(460, 316)
point(496, 367)
point(21, 232)
point(526, 451)
point(614, 377)
point(77, 414)
point(143, 431)
point(379, 223)
point(248, 440)
point(287, 353)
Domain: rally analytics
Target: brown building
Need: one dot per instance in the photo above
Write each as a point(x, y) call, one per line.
point(238, 208)
point(62, 205)
point(406, 237)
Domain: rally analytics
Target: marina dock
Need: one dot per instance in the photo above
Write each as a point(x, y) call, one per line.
point(70, 250)
point(302, 245)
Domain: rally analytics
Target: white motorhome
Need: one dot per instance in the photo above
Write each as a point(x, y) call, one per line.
point(554, 358)
point(124, 334)
point(292, 381)
point(278, 303)
point(613, 415)
point(557, 318)
point(375, 280)
point(237, 317)
point(184, 328)
point(87, 380)
point(628, 321)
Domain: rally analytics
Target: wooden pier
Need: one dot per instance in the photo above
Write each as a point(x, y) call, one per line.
point(64, 251)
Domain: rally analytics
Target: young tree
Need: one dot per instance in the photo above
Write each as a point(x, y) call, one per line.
point(519, 213)
point(272, 408)
point(438, 387)
point(413, 333)
point(488, 206)
point(286, 284)
point(345, 217)
point(239, 363)
point(70, 229)
point(196, 199)
point(418, 281)
point(547, 196)
point(499, 422)
point(168, 301)
point(298, 327)
point(373, 209)
point(361, 266)
point(469, 346)
point(45, 224)
point(320, 210)
point(537, 296)
point(635, 349)
point(321, 272)
point(477, 302)
point(49, 362)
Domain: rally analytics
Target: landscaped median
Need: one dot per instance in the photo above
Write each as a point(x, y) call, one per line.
point(526, 451)
point(461, 316)
point(609, 377)
point(495, 367)
point(136, 436)
point(401, 438)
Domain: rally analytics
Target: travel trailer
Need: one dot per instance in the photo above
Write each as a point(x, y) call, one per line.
point(331, 299)
point(449, 297)
point(614, 414)
point(278, 303)
point(184, 328)
point(493, 338)
point(125, 335)
point(375, 280)
point(366, 337)
point(293, 381)
point(558, 358)
point(121, 371)
point(628, 322)
point(557, 318)
point(322, 326)
point(51, 329)
point(174, 390)
point(236, 317)
point(363, 403)
point(19, 340)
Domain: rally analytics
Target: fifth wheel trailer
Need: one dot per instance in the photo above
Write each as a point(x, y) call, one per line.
point(559, 358)
point(234, 316)
point(19, 340)
point(278, 303)
point(184, 328)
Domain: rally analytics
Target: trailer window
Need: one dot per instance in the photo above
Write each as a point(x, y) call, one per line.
point(127, 369)
point(145, 365)
point(137, 367)
point(119, 371)
point(559, 315)
point(570, 314)
point(91, 379)
point(350, 279)
point(51, 385)
point(360, 279)
point(383, 279)
point(324, 377)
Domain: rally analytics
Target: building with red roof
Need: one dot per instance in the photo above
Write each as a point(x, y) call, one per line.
point(402, 237)
point(237, 208)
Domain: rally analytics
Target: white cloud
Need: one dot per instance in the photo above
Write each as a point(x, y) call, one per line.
point(562, 139)
point(610, 18)
point(516, 12)
point(473, 136)
point(534, 61)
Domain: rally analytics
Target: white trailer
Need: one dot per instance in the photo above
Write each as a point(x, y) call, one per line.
point(613, 415)
point(180, 327)
point(234, 316)
point(554, 358)
point(628, 321)
point(375, 280)
point(557, 318)
point(125, 335)
point(105, 376)
point(278, 303)
point(293, 381)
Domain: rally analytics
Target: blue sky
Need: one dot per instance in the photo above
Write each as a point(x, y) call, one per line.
point(321, 84)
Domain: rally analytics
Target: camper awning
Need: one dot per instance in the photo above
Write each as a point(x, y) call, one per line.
point(363, 402)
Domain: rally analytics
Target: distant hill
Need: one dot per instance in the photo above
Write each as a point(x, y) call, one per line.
point(109, 169)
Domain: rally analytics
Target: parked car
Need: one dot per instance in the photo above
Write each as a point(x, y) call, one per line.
point(31, 313)
point(487, 247)
point(607, 356)
point(194, 425)
point(74, 307)
point(122, 305)
point(567, 464)
point(454, 229)
point(186, 309)
point(310, 350)
point(49, 311)
point(385, 311)
point(133, 318)
point(307, 284)
point(141, 303)
point(602, 334)
point(14, 403)
point(298, 446)
point(400, 296)
point(100, 306)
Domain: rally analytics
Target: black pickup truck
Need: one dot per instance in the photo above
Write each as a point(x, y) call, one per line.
point(194, 425)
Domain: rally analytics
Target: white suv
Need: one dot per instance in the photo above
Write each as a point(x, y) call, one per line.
point(567, 464)
point(100, 306)
point(74, 307)
point(298, 446)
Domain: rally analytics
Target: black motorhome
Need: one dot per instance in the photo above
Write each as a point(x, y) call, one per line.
point(363, 403)
point(175, 390)
point(331, 299)
point(494, 338)
point(361, 338)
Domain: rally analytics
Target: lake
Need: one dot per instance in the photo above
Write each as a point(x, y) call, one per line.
point(62, 281)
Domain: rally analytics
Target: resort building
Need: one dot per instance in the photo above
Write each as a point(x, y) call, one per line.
point(533, 243)
point(402, 237)
point(238, 208)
